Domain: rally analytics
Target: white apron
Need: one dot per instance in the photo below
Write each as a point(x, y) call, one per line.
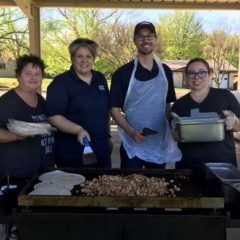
point(145, 106)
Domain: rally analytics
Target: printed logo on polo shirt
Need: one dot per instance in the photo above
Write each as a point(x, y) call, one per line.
point(101, 87)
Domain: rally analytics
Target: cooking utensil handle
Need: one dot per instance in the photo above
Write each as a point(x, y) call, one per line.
point(85, 141)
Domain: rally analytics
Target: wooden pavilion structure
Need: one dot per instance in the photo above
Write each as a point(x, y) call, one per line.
point(31, 9)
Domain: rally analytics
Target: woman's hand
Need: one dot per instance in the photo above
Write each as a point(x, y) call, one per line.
point(81, 134)
point(20, 138)
point(231, 119)
point(7, 136)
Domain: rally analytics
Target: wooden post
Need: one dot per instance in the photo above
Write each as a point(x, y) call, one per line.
point(25, 6)
point(31, 10)
point(238, 87)
point(34, 31)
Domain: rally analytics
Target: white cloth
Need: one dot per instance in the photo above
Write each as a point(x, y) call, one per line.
point(145, 106)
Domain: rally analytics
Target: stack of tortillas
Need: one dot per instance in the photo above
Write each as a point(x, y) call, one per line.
point(57, 183)
point(29, 128)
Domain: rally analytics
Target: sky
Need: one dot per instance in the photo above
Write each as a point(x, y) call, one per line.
point(211, 19)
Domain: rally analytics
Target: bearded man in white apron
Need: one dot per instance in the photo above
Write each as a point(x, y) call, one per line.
point(141, 92)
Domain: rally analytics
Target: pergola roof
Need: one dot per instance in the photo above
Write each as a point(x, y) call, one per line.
point(31, 9)
point(147, 4)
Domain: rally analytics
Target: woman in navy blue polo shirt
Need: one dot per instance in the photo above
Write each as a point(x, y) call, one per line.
point(78, 106)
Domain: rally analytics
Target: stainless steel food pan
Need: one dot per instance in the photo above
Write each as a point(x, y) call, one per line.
point(201, 130)
point(225, 172)
point(236, 186)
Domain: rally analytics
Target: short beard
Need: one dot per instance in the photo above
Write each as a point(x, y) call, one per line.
point(145, 53)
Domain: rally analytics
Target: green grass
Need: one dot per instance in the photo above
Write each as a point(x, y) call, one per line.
point(181, 92)
point(8, 83)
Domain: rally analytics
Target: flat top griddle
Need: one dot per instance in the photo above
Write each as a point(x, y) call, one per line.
point(196, 192)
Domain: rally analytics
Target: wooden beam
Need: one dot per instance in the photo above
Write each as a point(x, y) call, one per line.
point(25, 6)
point(144, 4)
point(34, 31)
point(137, 4)
point(7, 3)
point(238, 87)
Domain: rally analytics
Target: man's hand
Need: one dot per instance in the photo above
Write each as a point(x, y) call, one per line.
point(137, 136)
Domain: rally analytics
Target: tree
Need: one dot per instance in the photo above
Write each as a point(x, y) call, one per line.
point(221, 46)
point(13, 33)
point(117, 46)
point(232, 55)
point(65, 25)
point(181, 36)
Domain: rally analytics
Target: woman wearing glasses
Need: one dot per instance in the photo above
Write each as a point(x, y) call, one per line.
point(207, 99)
point(77, 105)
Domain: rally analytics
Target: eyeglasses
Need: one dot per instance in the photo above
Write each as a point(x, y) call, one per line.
point(200, 74)
point(148, 37)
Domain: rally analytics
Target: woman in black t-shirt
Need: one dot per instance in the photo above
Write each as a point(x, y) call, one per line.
point(207, 99)
point(22, 157)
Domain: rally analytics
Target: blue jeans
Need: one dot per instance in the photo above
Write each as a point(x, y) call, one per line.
point(136, 162)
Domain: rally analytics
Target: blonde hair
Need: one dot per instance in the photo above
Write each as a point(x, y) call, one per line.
point(83, 42)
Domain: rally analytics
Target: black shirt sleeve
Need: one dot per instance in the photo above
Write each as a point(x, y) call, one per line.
point(119, 85)
point(171, 96)
point(183, 106)
point(232, 103)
